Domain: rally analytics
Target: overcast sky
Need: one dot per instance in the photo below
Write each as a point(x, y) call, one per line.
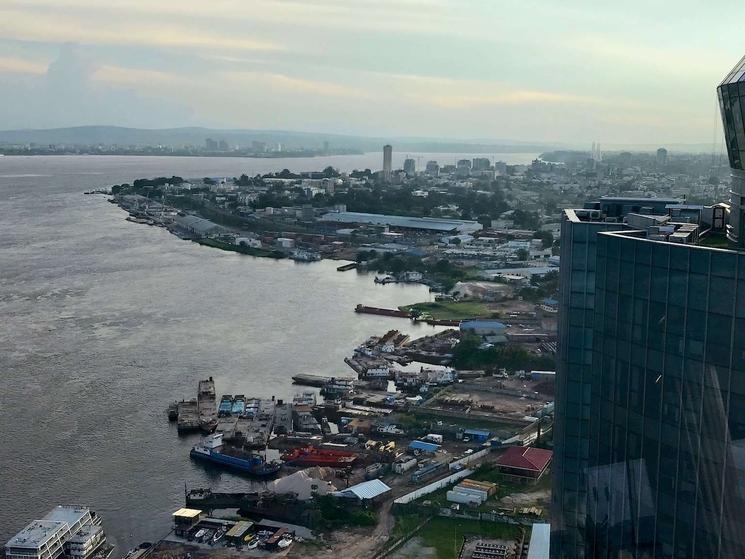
point(636, 71)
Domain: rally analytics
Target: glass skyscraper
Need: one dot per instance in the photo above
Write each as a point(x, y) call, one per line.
point(650, 402)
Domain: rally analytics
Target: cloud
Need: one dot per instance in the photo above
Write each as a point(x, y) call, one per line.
point(12, 65)
point(75, 89)
point(295, 85)
point(49, 26)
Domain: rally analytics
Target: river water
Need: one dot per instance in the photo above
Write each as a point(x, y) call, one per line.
point(104, 322)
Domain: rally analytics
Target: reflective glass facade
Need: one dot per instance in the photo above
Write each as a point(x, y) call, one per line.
point(731, 93)
point(573, 384)
point(666, 456)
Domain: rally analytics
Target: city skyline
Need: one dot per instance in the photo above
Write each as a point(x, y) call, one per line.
point(421, 68)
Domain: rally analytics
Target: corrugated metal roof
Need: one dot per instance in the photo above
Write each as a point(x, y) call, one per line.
point(187, 513)
point(540, 539)
point(366, 489)
point(428, 223)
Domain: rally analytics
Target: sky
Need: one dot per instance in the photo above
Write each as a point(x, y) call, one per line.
point(572, 71)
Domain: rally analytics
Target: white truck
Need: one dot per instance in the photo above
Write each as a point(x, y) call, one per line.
point(433, 438)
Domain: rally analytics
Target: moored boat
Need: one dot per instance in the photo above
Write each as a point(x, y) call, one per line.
point(311, 456)
point(211, 449)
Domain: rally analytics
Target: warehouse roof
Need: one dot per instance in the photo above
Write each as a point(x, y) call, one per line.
point(365, 490)
point(426, 223)
point(540, 538)
point(526, 458)
point(197, 224)
point(187, 513)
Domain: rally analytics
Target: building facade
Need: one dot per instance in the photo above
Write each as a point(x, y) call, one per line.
point(650, 402)
point(731, 93)
point(387, 162)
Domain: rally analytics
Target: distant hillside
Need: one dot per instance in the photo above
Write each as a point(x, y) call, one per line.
point(110, 135)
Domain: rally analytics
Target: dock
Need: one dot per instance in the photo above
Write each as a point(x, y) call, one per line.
point(346, 267)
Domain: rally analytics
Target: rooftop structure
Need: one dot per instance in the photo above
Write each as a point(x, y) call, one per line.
point(431, 224)
point(46, 538)
point(365, 491)
point(540, 536)
point(525, 460)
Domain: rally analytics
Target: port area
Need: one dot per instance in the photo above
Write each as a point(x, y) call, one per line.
point(400, 442)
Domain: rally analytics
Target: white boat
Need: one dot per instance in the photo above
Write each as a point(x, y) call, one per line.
point(285, 542)
point(199, 535)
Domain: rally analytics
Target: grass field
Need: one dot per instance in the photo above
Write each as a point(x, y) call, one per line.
point(452, 310)
point(445, 535)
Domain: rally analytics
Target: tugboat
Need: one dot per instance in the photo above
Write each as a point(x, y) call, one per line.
point(173, 412)
point(211, 449)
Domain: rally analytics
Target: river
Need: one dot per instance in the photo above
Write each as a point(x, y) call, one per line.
point(105, 322)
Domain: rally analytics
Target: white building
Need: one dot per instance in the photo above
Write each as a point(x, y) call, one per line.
point(65, 530)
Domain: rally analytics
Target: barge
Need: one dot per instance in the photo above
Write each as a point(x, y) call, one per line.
point(382, 312)
point(212, 450)
point(311, 456)
point(206, 400)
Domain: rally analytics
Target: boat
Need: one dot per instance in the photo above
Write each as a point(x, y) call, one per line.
point(285, 542)
point(226, 406)
point(299, 255)
point(218, 536)
point(311, 456)
point(173, 412)
point(207, 407)
point(211, 449)
point(253, 543)
point(199, 535)
point(382, 312)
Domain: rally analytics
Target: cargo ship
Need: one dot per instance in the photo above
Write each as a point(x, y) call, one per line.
point(311, 456)
point(212, 450)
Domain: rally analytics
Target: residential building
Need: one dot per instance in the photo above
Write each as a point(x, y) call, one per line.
point(63, 531)
point(410, 167)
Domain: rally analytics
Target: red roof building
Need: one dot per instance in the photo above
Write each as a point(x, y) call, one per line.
point(525, 462)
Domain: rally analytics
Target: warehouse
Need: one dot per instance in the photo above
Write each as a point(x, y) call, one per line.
point(430, 224)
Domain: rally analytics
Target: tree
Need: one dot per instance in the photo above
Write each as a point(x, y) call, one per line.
point(522, 254)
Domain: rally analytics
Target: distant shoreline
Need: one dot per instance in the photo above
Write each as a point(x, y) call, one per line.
point(277, 155)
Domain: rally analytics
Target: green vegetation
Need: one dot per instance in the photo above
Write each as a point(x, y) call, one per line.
point(469, 355)
point(446, 535)
point(541, 287)
point(334, 513)
point(452, 310)
point(713, 240)
point(442, 272)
